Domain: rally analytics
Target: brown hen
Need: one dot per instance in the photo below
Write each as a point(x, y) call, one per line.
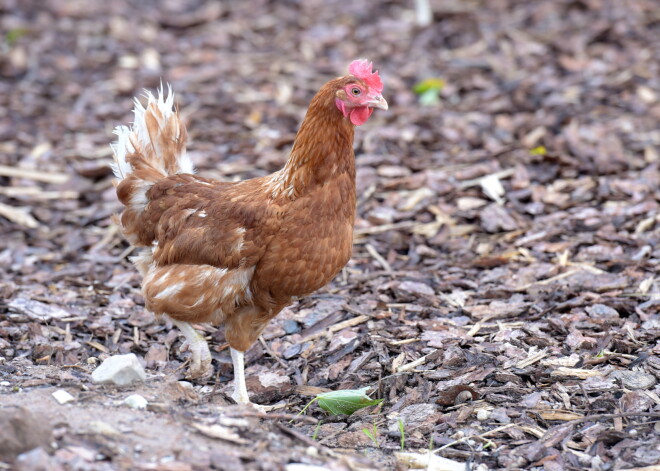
point(237, 253)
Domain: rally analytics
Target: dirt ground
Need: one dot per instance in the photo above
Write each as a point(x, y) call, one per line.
point(502, 298)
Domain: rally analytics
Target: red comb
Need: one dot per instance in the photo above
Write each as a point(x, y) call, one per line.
point(361, 69)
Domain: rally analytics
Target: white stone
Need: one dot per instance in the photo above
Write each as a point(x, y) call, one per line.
point(63, 397)
point(483, 414)
point(135, 401)
point(304, 467)
point(121, 370)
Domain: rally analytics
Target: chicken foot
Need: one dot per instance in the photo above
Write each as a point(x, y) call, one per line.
point(201, 362)
point(201, 366)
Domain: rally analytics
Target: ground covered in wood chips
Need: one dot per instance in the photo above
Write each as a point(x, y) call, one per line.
point(502, 297)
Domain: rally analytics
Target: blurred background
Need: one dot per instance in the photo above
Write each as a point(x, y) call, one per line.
point(564, 86)
point(547, 88)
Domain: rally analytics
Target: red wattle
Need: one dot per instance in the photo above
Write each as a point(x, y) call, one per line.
point(360, 115)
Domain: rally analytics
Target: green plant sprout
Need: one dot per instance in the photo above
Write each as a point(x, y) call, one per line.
point(372, 434)
point(14, 35)
point(429, 90)
point(402, 435)
point(316, 430)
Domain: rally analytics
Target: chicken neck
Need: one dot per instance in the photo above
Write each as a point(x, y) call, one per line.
point(323, 148)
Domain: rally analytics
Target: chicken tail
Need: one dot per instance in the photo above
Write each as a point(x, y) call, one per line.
point(153, 148)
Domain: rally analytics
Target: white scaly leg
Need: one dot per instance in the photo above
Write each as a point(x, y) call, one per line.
point(240, 394)
point(201, 366)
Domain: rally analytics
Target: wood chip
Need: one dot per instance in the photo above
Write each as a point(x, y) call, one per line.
point(378, 257)
point(339, 326)
point(35, 192)
point(532, 358)
point(558, 415)
point(20, 216)
point(98, 346)
point(220, 432)
point(38, 175)
point(575, 373)
point(413, 364)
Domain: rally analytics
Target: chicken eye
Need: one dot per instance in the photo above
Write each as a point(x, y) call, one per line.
point(356, 91)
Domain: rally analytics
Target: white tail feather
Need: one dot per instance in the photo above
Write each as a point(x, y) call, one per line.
point(120, 167)
point(140, 135)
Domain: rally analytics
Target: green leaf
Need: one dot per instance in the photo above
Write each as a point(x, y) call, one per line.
point(538, 150)
point(429, 91)
point(346, 401)
point(425, 85)
point(14, 35)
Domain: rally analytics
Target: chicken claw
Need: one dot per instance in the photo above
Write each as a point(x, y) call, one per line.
point(201, 366)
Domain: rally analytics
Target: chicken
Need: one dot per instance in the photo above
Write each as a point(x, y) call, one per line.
point(236, 253)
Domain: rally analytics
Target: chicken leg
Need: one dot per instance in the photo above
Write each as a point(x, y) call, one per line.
point(201, 366)
point(240, 394)
point(201, 361)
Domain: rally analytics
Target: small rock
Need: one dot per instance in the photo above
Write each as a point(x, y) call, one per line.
point(63, 397)
point(601, 311)
point(121, 370)
point(483, 414)
point(634, 379)
point(20, 431)
point(37, 460)
point(291, 326)
point(135, 401)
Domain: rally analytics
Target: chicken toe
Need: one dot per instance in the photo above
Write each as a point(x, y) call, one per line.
point(201, 366)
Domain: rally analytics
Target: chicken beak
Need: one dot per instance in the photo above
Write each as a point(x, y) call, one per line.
point(377, 102)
